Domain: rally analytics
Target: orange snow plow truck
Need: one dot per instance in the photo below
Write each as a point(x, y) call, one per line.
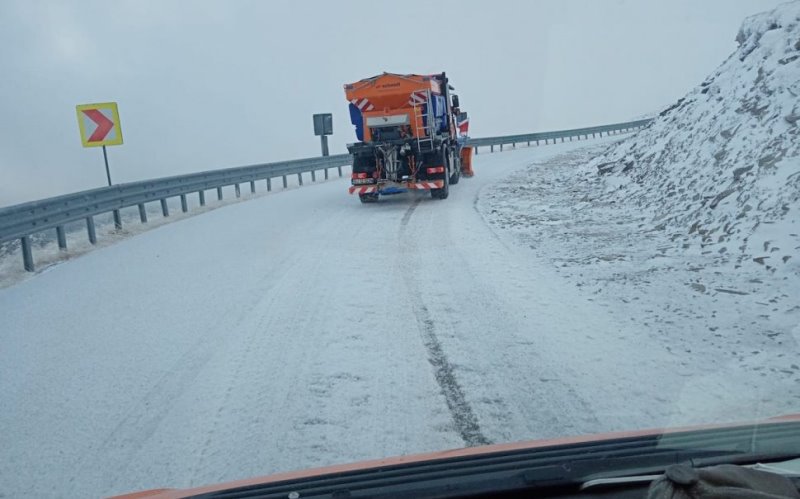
point(407, 128)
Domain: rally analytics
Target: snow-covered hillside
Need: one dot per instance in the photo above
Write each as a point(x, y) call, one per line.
point(719, 171)
point(690, 231)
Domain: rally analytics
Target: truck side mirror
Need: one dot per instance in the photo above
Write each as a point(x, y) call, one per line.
point(455, 101)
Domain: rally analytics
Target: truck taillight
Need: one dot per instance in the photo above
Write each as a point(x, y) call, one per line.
point(435, 169)
point(360, 175)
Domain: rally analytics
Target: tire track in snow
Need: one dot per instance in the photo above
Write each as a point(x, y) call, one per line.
point(460, 410)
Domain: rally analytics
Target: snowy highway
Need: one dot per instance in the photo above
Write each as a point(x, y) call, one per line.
point(302, 329)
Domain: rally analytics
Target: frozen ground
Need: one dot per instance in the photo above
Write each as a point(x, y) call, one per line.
point(239, 343)
point(729, 336)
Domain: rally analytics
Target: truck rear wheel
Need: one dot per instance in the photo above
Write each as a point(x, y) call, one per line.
point(368, 198)
point(455, 166)
point(444, 191)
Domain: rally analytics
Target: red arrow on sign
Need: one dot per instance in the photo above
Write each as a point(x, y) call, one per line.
point(104, 125)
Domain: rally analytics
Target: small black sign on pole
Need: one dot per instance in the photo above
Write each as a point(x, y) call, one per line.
point(323, 126)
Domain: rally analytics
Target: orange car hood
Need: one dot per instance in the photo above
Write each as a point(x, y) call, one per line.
point(432, 456)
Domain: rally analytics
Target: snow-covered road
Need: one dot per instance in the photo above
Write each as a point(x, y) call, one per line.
point(301, 329)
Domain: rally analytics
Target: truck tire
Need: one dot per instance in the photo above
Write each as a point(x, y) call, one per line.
point(368, 198)
point(455, 165)
point(444, 191)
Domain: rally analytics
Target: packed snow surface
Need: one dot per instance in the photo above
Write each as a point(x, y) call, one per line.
point(302, 329)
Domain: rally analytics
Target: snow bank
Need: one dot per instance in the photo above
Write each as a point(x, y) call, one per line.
point(719, 171)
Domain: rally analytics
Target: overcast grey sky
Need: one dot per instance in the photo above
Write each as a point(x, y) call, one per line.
point(204, 85)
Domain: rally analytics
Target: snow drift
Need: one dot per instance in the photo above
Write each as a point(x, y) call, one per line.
point(720, 169)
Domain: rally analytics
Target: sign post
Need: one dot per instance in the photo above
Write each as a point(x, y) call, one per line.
point(323, 126)
point(108, 173)
point(100, 127)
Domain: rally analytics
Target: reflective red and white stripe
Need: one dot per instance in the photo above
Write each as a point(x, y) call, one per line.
point(433, 184)
point(362, 104)
point(418, 98)
point(363, 189)
point(426, 185)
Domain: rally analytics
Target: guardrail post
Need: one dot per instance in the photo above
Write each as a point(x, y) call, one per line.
point(326, 173)
point(513, 145)
point(62, 238)
point(529, 143)
point(164, 208)
point(142, 213)
point(252, 187)
point(475, 149)
point(537, 142)
point(90, 230)
point(562, 140)
point(501, 147)
point(202, 196)
point(340, 170)
point(491, 148)
point(219, 193)
point(269, 184)
point(300, 178)
point(314, 175)
point(27, 255)
point(285, 185)
point(117, 220)
point(238, 191)
point(184, 206)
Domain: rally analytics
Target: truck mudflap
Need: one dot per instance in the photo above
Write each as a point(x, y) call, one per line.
point(395, 187)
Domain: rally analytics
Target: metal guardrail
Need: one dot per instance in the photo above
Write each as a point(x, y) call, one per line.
point(23, 220)
point(546, 137)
